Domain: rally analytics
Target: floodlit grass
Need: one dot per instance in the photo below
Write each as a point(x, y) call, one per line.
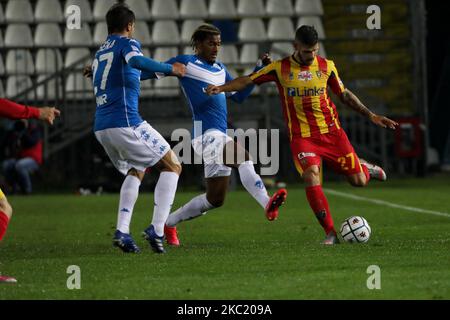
point(233, 252)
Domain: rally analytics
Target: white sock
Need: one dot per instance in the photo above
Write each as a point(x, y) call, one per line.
point(193, 209)
point(164, 196)
point(128, 195)
point(253, 183)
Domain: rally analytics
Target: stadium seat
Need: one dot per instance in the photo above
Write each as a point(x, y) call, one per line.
point(164, 54)
point(48, 11)
point(142, 33)
point(49, 89)
point(166, 87)
point(280, 50)
point(219, 9)
point(19, 11)
point(140, 8)
point(19, 62)
point(308, 7)
point(82, 37)
point(78, 86)
point(18, 36)
point(193, 9)
point(187, 29)
point(280, 29)
point(48, 61)
point(100, 33)
point(280, 8)
point(249, 53)
point(228, 53)
point(313, 21)
point(165, 32)
point(164, 9)
point(252, 29)
point(251, 8)
point(85, 8)
point(2, 15)
point(75, 54)
point(101, 7)
point(48, 35)
point(18, 84)
point(2, 66)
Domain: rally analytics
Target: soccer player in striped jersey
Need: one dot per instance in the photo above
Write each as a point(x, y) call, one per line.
point(211, 141)
point(12, 110)
point(312, 120)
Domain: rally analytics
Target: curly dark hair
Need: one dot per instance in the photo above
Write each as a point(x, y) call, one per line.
point(202, 32)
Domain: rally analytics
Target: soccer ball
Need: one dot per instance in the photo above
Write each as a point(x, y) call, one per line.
point(355, 229)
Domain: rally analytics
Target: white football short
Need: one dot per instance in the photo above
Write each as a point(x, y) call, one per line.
point(138, 147)
point(210, 146)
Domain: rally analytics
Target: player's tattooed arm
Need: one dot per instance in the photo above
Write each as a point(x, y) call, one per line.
point(352, 101)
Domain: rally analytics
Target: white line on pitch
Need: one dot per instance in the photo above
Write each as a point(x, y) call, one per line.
point(385, 203)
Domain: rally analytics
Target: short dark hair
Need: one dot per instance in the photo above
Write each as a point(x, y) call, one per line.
point(118, 17)
point(202, 32)
point(307, 35)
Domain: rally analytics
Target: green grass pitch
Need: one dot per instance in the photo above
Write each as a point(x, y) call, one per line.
point(233, 252)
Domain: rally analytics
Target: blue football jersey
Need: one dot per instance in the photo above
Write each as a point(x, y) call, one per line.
point(210, 110)
point(116, 84)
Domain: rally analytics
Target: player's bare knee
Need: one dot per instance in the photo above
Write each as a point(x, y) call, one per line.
point(357, 180)
point(311, 176)
point(136, 173)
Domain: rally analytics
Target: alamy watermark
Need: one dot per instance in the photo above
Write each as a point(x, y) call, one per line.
point(73, 17)
point(373, 22)
point(374, 280)
point(263, 146)
point(74, 280)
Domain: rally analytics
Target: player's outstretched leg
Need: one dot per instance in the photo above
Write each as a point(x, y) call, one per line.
point(319, 204)
point(252, 182)
point(373, 171)
point(195, 208)
point(164, 196)
point(216, 189)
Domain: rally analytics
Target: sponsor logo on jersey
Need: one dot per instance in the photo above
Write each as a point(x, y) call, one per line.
point(305, 76)
point(305, 92)
point(319, 74)
point(303, 155)
point(291, 76)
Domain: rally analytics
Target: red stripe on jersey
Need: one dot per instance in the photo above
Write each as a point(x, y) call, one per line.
point(271, 76)
point(308, 110)
point(323, 67)
point(295, 124)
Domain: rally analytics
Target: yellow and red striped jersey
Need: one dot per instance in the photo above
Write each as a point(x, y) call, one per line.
point(307, 107)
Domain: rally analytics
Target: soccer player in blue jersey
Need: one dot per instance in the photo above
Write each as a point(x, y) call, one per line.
point(130, 142)
point(211, 141)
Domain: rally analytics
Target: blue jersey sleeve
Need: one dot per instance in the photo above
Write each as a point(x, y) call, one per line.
point(158, 75)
